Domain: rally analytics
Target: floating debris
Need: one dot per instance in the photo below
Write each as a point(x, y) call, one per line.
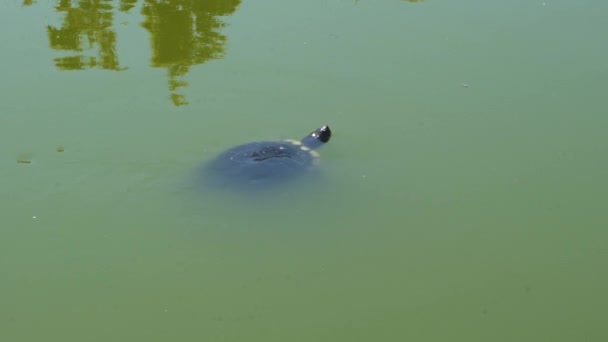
point(25, 158)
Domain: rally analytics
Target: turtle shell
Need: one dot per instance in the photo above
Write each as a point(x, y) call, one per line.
point(259, 164)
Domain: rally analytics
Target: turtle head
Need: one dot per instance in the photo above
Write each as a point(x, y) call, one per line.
point(317, 138)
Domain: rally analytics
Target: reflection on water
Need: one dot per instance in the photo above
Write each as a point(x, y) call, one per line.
point(126, 5)
point(88, 22)
point(182, 33)
point(185, 33)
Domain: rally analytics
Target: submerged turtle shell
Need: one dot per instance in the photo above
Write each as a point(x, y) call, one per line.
point(259, 164)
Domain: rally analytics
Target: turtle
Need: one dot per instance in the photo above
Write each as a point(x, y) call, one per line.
point(264, 164)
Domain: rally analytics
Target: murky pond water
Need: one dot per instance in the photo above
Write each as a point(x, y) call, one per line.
point(461, 197)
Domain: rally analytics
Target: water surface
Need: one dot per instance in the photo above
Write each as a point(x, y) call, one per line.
point(462, 195)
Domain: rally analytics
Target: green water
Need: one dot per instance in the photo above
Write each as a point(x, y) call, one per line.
point(462, 196)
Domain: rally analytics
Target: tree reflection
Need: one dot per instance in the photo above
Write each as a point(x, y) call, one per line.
point(182, 33)
point(85, 22)
point(185, 33)
point(126, 5)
